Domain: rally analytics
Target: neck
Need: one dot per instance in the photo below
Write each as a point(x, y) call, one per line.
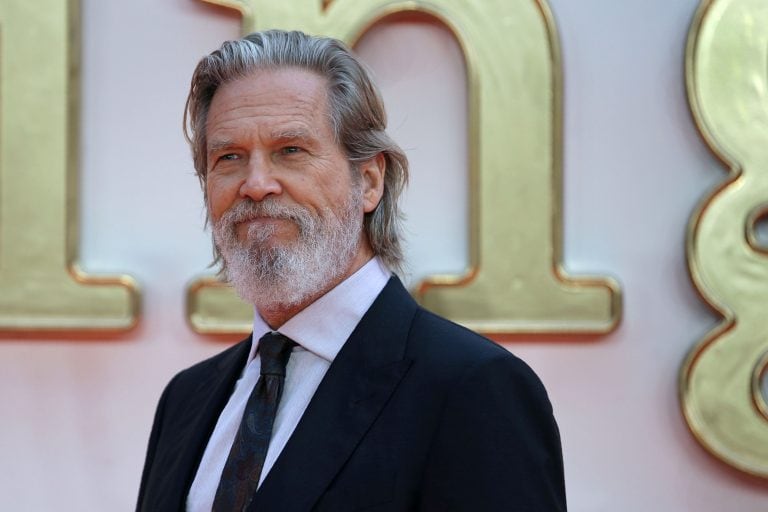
point(275, 314)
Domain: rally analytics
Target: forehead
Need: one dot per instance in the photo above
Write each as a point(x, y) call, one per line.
point(275, 100)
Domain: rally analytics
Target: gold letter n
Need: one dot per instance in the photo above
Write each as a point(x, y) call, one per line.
point(515, 282)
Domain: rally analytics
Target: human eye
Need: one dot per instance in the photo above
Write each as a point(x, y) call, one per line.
point(290, 150)
point(223, 160)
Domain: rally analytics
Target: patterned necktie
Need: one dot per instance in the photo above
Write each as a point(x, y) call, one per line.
point(246, 458)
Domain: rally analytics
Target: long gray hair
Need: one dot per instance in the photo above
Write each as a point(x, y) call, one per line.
point(357, 116)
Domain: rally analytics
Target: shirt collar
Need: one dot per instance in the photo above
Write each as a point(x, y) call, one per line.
point(324, 326)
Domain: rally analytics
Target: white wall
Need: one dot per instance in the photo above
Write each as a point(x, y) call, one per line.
point(76, 413)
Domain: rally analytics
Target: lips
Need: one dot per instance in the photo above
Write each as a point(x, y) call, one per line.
point(261, 220)
point(258, 222)
point(259, 228)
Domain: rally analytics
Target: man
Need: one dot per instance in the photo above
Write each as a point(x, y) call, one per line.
point(348, 395)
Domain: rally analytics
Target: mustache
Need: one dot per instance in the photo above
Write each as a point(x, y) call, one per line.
point(248, 209)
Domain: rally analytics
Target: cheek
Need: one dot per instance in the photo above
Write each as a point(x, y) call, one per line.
point(220, 198)
point(338, 189)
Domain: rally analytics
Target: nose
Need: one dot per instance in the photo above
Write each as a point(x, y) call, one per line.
point(261, 180)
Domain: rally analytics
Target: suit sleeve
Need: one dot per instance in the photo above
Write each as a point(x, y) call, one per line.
point(497, 446)
point(153, 439)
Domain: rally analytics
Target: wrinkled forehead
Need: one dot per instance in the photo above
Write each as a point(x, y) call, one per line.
point(283, 103)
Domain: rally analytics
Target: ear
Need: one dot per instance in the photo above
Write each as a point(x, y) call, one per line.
point(372, 173)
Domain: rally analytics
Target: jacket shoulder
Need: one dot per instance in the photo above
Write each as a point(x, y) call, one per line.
point(225, 361)
point(509, 454)
point(456, 346)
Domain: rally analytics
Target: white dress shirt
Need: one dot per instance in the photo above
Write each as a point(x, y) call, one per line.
point(320, 331)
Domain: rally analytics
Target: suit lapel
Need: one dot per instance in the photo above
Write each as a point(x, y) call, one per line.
point(357, 386)
point(195, 423)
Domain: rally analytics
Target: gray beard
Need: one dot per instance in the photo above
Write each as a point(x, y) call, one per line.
point(278, 276)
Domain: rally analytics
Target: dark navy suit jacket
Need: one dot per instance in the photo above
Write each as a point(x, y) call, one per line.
point(415, 414)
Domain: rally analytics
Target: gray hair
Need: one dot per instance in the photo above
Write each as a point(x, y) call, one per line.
point(357, 116)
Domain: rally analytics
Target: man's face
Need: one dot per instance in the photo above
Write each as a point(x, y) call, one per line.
point(286, 211)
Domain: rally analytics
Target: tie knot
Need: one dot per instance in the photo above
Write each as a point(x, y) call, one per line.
point(275, 349)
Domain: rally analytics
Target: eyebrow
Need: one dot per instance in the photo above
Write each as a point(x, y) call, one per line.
point(298, 134)
point(291, 134)
point(218, 145)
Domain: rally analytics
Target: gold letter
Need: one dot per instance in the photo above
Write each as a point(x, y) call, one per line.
point(41, 285)
point(515, 282)
point(728, 93)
